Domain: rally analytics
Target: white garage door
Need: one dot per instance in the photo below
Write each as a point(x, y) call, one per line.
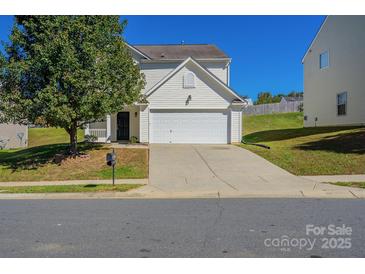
point(188, 127)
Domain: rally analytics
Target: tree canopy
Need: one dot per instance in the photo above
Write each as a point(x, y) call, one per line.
point(66, 71)
point(266, 97)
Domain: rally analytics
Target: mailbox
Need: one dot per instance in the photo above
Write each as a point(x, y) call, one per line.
point(111, 159)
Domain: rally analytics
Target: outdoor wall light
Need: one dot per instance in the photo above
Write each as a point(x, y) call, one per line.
point(188, 100)
point(135, 114)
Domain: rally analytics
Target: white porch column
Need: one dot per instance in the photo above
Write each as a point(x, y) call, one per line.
point(87, 130)
point(108, 129)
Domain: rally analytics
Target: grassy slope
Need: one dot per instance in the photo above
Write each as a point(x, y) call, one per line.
point(67, 188)
point(36, 162)
point(270, 122)
point(306, 151)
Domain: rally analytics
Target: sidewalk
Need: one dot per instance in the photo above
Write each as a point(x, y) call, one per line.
point(310, 187)
point(76, 182)
point(336, 178)
point(310, 190)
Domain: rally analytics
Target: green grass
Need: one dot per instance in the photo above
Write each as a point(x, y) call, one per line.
point(271, 122)
point(68, 188)
point(47, 136)
point(36, 163)
point(306, 151)
point(351, 184)
point(123, 172)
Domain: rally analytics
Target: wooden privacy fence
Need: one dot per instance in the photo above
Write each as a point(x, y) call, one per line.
point(282, 107)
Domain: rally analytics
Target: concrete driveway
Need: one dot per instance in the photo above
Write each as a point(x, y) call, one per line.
point(226, 171)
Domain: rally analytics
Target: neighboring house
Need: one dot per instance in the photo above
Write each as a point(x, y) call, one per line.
point(334, 73)
point(13, 136)
point(287, 99)
point(249, 101)
point(187, 99)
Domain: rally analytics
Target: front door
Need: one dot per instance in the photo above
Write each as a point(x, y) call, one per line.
point(123, 126)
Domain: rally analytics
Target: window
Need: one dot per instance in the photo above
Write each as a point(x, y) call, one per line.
point(189, 80)
point(342, 103)
point(324, 61)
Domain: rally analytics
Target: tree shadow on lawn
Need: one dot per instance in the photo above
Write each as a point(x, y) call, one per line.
point(286, 134)
point(35, 157)
point(349, 143)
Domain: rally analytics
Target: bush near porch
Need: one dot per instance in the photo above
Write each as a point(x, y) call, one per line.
point(36, 163)
point(306, 151)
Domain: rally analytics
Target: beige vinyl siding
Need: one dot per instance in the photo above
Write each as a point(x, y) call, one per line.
point(207, 94)
point(144, 124)
point(154, 72)
point(344, 39)
point(8, 132)
point(136, 57)
point(236, 126)
point(219, 69)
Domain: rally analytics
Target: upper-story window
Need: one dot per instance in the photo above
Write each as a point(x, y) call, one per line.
point(189, 80)
point(342, 103)
point(324, 60)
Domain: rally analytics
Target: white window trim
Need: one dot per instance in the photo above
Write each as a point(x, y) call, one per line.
point(328, 54)
point(346, 109)
point(194, 82)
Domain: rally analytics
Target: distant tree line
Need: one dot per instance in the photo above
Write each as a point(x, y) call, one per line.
point(266, 97)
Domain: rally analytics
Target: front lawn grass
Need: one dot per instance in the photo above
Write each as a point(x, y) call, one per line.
point(49, 136)
point(37, 162)
point(306, 151)
point(351, 184)
point(68, 188)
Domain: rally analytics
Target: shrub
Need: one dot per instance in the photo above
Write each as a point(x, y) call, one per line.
point(134, 139)
point(90, 138)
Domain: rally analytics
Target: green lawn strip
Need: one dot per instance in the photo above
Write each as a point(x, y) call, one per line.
point(306, 151)
point(130, 172)
point(68, 188)
point(350, 184)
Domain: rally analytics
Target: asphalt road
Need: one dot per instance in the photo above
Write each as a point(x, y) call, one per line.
point(180, 228)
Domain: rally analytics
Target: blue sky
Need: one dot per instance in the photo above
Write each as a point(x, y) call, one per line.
point(266, 51)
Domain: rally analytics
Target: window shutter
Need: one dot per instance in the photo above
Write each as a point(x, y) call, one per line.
point(189, 80)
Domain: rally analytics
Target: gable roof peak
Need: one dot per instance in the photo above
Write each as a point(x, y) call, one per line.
point(207, 72)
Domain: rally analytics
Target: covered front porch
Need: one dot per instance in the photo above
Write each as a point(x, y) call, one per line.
point(120, 127)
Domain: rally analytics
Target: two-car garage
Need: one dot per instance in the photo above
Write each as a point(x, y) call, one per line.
point(189, 126)
point(202, 111)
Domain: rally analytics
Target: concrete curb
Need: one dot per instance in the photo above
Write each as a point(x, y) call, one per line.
point(345, 193)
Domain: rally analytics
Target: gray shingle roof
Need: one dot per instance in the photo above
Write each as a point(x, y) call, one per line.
point(180, 52)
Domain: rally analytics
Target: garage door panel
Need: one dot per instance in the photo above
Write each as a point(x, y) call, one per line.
point(189, 127)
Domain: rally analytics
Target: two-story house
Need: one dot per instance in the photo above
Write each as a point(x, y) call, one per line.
point(334, 73)
point(187, 99)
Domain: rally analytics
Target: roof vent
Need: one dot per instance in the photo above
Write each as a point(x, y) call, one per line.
point(162, 54)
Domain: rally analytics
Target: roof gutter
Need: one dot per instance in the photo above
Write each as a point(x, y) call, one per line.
point(228, 60)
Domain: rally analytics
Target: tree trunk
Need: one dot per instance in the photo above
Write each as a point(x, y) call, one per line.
point(73, 140)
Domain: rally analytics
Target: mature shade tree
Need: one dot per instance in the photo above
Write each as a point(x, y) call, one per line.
point(263, 98)
point(66, 71)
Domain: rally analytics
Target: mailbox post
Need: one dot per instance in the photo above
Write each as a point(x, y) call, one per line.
point(111, 159)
